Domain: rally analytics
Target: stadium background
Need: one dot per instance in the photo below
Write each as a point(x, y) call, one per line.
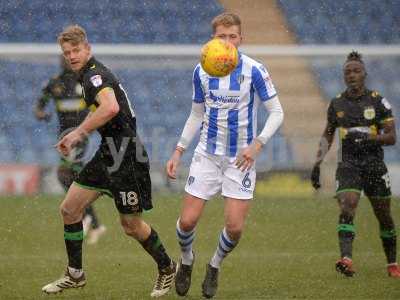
point(152, 46)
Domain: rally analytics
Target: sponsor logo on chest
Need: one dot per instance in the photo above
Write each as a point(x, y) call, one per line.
point(224, 98)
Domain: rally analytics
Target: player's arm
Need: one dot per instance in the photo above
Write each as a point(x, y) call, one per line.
point(388, 135)
point(39, 109)
point(192, 125)
point(385, 137)
point(108, 108)
point(262, 83)
point(325, 144)
point(274, 121)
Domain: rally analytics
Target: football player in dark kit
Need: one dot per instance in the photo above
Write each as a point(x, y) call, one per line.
point(365, 124)
point(119, 168)
point(71, 110)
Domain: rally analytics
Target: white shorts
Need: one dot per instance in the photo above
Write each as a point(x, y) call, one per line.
point(210, 174)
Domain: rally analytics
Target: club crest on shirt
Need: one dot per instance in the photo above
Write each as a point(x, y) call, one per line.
point(340, 114)
point(240, 79)
point(96, 80)
point(374, 94)
point(369, 113)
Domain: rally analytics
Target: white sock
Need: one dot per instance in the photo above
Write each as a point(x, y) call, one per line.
point(187, 258)
point(216, 260)
point(225, 246)
point(75, 273)
point(185, 239)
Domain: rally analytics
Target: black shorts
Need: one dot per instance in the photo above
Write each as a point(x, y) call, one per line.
point(372, 179)
point(129, 185)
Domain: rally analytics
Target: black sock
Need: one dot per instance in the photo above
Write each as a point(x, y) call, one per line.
point(389, 241)
point(73, 236)
point(346, 234)
point(90, 211)
point(155, 248)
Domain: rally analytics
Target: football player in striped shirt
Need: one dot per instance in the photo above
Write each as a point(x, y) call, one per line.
point(224, 159)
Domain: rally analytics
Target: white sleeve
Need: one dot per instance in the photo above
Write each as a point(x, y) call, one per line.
point(192, 125)
point(274, 120)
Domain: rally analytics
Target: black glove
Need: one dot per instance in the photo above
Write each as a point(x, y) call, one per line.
point(315, 177)
point(357, 137)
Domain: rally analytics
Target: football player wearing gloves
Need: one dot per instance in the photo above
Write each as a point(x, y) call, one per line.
point(365, 123)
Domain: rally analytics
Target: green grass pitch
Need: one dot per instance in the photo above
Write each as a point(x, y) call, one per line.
point(288, 251)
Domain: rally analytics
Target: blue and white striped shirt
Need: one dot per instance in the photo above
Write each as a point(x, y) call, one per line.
point(231, 102)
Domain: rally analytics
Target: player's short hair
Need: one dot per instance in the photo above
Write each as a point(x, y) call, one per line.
point(227, 20)
point(354, 56)
point(73, 34)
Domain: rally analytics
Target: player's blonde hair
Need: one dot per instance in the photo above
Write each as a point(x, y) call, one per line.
point(227, 20)
point(73, 34)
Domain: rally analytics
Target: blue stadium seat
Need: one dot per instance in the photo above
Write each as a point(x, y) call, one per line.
point(344, 22)
point(117, 21)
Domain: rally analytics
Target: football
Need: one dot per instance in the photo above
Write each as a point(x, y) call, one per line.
point(219, 58)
